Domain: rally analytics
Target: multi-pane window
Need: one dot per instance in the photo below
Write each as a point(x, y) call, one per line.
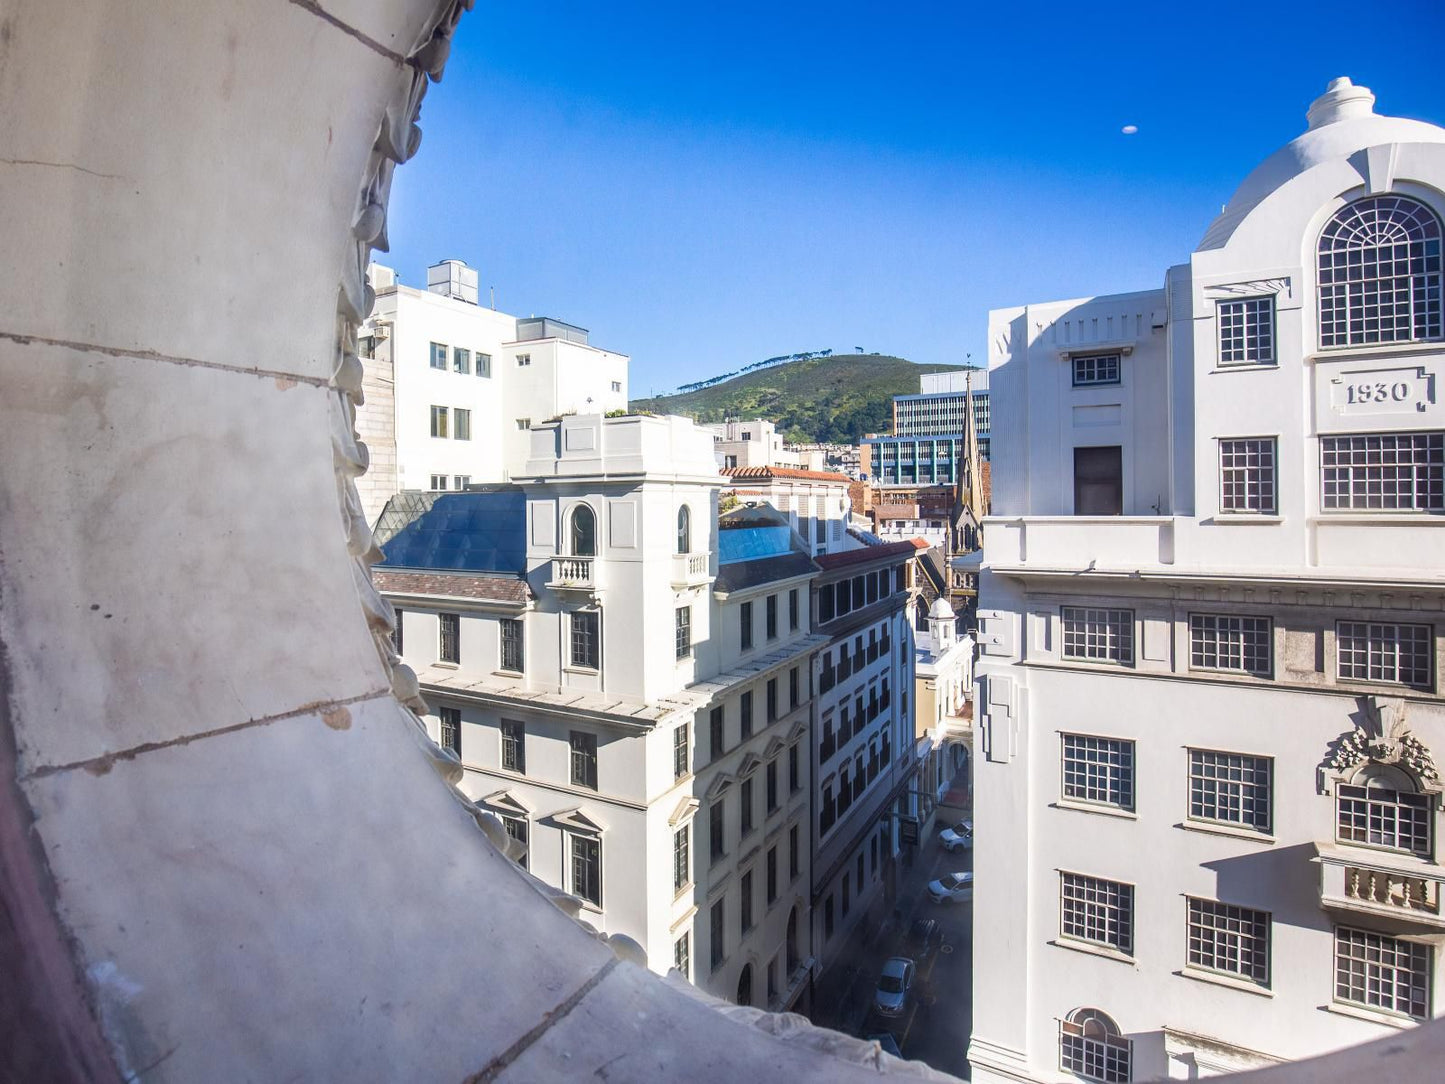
point(438, 356)
point(1383, 972)
point(682, 955)
point(716, 747)
point(770, 699)
point(1096, 369)
point(1386, 652)
point(484, 364)
point(1225, 642)
point(745, 908)
point(771, 874)
point(449, 639)
point(1099, 770)
point(681, 751)
point(792, 687)
point(1096, 910)
point(524, 360)
point(1230, 788)
point(584, 759)
point(587, 868)
point(1247, 475)
point(745, 612)
point(793, 610)
point(1380, 273)
point(745, 714)
point(451, 729)
point(514, 747)
point(1234, 940)
point(517, 828)
point(1090, 1046)
point(461, 360)
point(1383, 472)
point(747, 807)
point(683, 636)
point(717, 933)
point(1379, 815)
point(795, 783)
point(396, 632)
point(439, 483)
point(1246, 331)
point(439, 422)
point(770, 615)
point(461, 482)
point(512, 644)
point(715, 832)
point(771, 786)
point(587, 639)
point(681, 861)
point(1099, 635)
point(462, 430)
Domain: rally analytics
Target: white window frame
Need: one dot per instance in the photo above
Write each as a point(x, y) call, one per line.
point(1248, 476)
point(438, 483)
point(461, 423)
point(1100, 1053)
point(1099, 634)
point(1093, 770)
point(1379, 655)
point(1224, 788)
point(1407, 475)
point(483, 364)
point(439, 354)
point(524, 360)
point(439, 428)
point(1096, 370)
point(1229, 643)
point(1097, 911)
point(1378, 983)
point(573, 838)
point(1246, 329)
point(1227, 939)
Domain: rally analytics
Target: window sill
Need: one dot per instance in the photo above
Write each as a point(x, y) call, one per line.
point(592, 671)
point(1100, 810)
point(1376, 350)
point(508, 673)
point(1229, 830)
point(683, 891)
point(1235, 519)
point(1231, 982)
point(1245, 367)
point(1374, 1016)
point(447, 665)
point(1382, 518)
point(1092, 949)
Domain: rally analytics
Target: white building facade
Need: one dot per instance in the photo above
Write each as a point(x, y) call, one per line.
point(943, 683)
point(1209, 710)
point(755, 443)
point(816, 503)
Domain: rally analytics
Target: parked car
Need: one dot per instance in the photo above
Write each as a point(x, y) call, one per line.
point(886, 1040)
point(922, 936)
point(951, 888)
point(893, 986)
point(960, 835)
point(956, 827)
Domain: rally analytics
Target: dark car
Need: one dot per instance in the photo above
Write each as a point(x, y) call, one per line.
point(922, 936)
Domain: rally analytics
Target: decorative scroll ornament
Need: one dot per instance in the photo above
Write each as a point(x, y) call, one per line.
point(1384, 737)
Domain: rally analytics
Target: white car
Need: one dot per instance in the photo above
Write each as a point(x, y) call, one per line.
point(951, 888)
point(960, 835)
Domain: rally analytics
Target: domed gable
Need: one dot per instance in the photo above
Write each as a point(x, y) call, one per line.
point(941, 609)
point(1342, 122)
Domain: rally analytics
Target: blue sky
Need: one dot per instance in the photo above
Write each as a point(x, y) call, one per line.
point(704, 186)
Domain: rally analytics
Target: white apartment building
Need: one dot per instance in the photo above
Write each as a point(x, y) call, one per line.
point(451, 387)
point(755, 443)
point(625, 678)
point(1207, 800)
point(816, 503)
point(943, 683)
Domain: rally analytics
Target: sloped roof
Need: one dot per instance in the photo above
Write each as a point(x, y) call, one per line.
point(474, 531)
point(829, 561)
point(486, 586)
point(766, 473)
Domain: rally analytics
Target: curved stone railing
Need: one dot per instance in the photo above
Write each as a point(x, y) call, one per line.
point(224, 851)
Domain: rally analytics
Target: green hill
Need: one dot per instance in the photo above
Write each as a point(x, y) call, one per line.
point(837, 398)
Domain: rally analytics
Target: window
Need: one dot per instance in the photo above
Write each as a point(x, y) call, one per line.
point(826, 812)
point(587, 869)
point(1376, 651)
point(524, 423)
point(681, 752)
point(684, 530)
point(517, 828)
point(770, 617)
point(684, 632)
point(715, 831)
point(794, 867)
point(682, 955)
point(1382, 809)
point(793, 610)
point(825, 604)
point(584, 759)
point(1099, 770)
point(1230, 788)
point(524, 360)
point(1383, 472)
point(587, 639)
point(484, 364)
point(1091, 1046)
point(461, 360)
point(1238, 644)
point(1234, 940)
point(770, 697)
point(449, 646)
point(617, 385)
point(1096, 369)
point(1382, 972)
point(1247, 475)
point(828, 917)
point(746, 820)
point(439, 422)
point(859, 872)
point(793, 683)
point(396, 632)
point(1379, 273)
point(681, 863)
point(439, 483)
point(770, 866)
point(1099, 481)
point(715, 733)
point(461, 481)
point(514, 747)
point(512, 644)
point(771, 786)
point(1098, 635)
point(716, 940)
point(462, 430)
point(746, 625)
point(745, 715)
point(745, 910)
point(794, 783)
point(1246, 331)
point(451, 729)
point(1098, 911)
point(438, 356)
point(582, 537)
point(846, 900)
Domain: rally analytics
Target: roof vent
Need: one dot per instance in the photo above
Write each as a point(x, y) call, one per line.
point(1342, 100)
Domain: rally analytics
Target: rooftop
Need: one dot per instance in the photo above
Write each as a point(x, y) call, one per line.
point(785, 474)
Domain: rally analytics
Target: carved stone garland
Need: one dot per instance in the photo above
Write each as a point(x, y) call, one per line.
point(1384, 738)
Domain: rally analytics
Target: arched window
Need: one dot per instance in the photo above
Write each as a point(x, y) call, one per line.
point(684, 530)
point(1091, 1047)
point(1380, 273)
point(583, 534)
point(745, 985)
point(1382, 807)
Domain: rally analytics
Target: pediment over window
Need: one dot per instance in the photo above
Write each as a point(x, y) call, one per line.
point(504, 801)
point(799, 729)
point(720, 783)
point(750, 764)
point(1382, 737)
point(685, 809)
point(774, 747)
point(577, 821)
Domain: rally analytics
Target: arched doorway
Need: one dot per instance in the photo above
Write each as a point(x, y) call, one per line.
point(745, 985)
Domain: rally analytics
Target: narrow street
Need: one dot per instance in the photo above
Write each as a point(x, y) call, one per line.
point(938, 1017)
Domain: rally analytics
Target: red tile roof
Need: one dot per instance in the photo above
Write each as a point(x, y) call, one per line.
point(830, 561)
point(453, 585)
point(765, 473)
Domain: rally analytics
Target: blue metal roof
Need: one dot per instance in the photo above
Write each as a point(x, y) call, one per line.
point(482, 531)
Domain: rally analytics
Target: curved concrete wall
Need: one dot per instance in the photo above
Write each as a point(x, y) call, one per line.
point(227, 852)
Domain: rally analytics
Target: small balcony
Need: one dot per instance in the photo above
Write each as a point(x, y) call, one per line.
point(1400, 889)
point(691, 569)
point(572, 573)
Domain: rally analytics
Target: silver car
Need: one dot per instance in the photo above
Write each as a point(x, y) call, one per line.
point(960, 835)
point(951, 888)
point(893, 986)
